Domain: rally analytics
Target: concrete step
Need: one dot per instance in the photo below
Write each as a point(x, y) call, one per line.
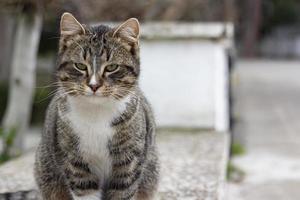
point(193, 166)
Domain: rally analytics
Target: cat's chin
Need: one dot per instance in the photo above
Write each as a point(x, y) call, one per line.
point(94, 96)
point(92, 99)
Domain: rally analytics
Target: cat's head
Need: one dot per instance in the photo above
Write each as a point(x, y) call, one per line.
point(98, 61)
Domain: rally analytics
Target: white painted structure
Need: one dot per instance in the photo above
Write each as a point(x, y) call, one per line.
point(185, 73)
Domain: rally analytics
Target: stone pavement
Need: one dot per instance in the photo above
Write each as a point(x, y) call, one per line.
point(267, 97)
point(193, 167)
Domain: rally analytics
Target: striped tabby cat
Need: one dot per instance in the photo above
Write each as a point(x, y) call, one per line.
point(98, 140)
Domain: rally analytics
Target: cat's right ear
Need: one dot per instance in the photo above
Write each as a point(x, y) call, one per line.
point(69, 25)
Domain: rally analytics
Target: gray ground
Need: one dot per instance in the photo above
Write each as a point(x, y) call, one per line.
point(267, 97)
point(192, 166)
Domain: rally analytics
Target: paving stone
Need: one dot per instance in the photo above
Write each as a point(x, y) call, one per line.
point(192, 167)
point(266, 104)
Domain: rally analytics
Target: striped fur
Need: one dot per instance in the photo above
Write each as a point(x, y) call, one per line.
point(98, 145)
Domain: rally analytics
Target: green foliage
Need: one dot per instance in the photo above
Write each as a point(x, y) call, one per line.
point(237, 149)
point(234, 173)
point(7, 138)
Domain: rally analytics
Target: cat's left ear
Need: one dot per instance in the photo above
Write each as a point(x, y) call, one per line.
point(129, 30)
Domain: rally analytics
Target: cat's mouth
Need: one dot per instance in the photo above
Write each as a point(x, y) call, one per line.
point(107, 93)
point(93, 93)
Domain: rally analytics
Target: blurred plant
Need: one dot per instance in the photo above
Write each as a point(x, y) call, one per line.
point(237, 149)
point(234, 173)
point(7, 138)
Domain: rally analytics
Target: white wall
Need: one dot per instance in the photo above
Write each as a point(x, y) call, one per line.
point(179, 79)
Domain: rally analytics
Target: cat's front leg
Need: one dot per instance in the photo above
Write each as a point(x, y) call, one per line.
point(83, 184)
point(118, 194)
point(125, 181)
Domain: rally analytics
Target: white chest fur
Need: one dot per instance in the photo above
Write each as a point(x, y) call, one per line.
point(90, 118)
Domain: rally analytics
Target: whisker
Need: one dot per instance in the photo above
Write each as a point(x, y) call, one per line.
point(48, 96)
point(54, 84)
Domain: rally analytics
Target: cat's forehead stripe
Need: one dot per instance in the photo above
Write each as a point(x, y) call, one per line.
point(94, 64)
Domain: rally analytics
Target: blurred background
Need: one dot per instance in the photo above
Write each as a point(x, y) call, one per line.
point(242, 77)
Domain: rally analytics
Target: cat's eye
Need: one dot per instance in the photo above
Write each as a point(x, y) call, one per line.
point(111, 68)
point(80, 66)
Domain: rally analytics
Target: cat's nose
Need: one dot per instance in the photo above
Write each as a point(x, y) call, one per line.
point(94, 87)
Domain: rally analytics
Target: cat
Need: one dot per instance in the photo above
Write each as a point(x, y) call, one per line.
point(98, 140)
